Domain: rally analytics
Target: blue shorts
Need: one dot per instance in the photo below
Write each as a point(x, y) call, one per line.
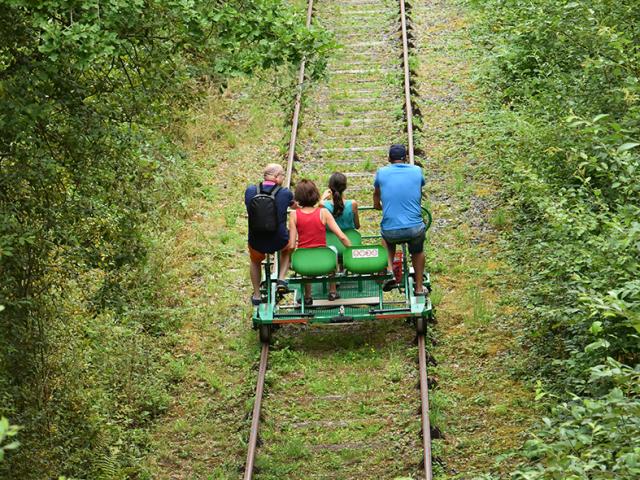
point(413, 236)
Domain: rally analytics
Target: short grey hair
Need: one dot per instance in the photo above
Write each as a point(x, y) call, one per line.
point(273, 170)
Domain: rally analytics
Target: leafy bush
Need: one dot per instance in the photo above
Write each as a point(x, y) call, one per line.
point(567, 145)
point(563, 128)
point(7, 431)
point(590, 438)
point(90, 102)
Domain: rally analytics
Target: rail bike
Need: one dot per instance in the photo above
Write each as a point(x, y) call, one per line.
point(359, 271)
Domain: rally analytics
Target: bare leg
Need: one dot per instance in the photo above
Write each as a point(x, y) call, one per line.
point(285, 258)
point(391, 249)
point(418, 260)
point(256, 276)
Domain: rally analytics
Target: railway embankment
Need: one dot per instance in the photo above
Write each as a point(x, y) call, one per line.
point(341, 402)
point(486, 407)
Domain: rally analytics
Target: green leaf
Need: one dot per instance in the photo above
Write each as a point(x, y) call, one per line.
point(600, 343)
point(596, 328)
point(627, 146)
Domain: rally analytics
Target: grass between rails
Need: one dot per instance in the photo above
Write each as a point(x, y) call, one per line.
point(484, 409)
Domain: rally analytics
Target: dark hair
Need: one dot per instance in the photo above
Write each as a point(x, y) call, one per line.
point(397, 153)
point(307, 194)
point(337, 185)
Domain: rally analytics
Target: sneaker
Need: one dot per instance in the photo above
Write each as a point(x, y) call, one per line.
point(282, 287)
point(389, 285)
point(308, 301)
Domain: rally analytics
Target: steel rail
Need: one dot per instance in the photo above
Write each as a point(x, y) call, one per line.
point(296, 109)
point(264, 354)
point(424, 408)
point(407, 81)
point(255, 420)
point(424, 386)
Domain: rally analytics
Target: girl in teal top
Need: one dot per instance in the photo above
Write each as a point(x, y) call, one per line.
point(333, 199)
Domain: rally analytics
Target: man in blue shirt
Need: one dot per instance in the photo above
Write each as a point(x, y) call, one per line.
point(398, 193)
point(262, 243)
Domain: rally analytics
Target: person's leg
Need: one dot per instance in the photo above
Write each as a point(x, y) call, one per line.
point(333, 291)
point(416, 249)
point(333, 286)
point(255, 270)
point(391, 250)
point(418, 261)
point(256, 276)
point(391, 283)
point(285, 260)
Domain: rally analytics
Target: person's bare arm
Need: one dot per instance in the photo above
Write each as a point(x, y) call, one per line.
point(326, 195)
point(293, 230)
point(376, 199)
point(333, 226)
point(356, 215)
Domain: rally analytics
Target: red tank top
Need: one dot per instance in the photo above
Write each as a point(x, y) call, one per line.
point(311, 230)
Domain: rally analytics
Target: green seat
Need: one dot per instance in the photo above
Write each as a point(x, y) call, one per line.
point(312, 262)
point(365, 258)
point(333, 241)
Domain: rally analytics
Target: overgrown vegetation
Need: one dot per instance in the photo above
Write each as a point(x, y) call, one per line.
point(7, 431)
point(90, 94)
point(565, 81)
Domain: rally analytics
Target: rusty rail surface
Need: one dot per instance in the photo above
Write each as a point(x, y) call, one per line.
point(424, 408)
point(255, 420)
point(407, 81)
point(264, 354)
point(296, 109)
point(424, 386)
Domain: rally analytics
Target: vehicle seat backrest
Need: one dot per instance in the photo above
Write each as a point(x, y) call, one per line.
point(333, 241)
point(312, 262)
point(365, 259)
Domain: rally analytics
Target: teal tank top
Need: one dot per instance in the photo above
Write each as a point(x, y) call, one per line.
point(344, 221)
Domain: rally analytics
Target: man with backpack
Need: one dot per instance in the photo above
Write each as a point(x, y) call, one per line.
point(267, 204)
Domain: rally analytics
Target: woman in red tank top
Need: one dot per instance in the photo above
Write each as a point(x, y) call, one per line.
point(311, 229)
point(308, 227)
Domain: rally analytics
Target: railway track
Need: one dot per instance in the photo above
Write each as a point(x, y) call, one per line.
point(364, 106)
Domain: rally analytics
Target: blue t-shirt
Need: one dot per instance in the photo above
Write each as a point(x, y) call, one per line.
point(345, 221)
point(400, 187)
point(271, 242)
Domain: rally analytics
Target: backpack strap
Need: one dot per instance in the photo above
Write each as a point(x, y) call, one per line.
point(258, 188)
point(274, 191)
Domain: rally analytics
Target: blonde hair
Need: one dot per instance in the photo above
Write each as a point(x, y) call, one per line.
point(273, 170)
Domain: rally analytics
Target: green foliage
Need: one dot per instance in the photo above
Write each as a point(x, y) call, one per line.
point(89, 96)
point(7, 431)
point(569, 153)
point(590, 438)
point(564, 130)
